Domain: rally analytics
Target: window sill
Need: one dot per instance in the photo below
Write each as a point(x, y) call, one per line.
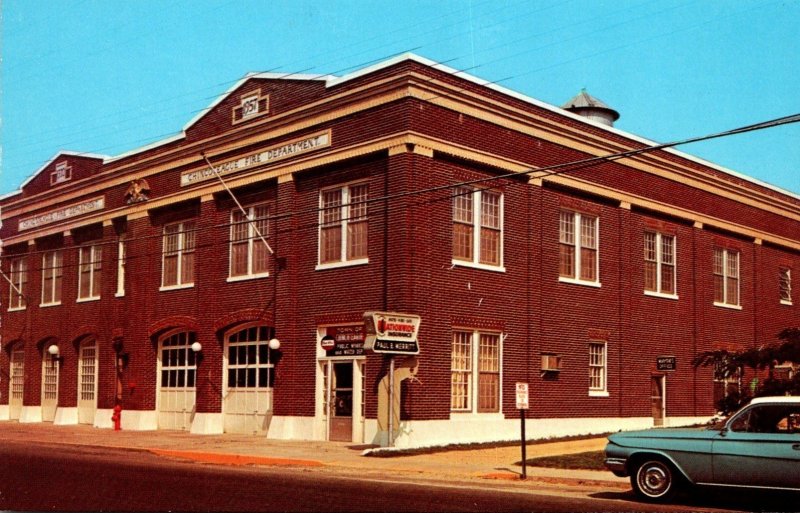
point(17, 309)
point(787, 303)
point(598, 393)
point(165, 288)
point(119, 294)
point(660, 295)
point(246, 277)
point(472, 415)
point(48, 305)
point(87, 299)
point(729, 307)
point(573, 281)
point(337, 265)
point(484, 267)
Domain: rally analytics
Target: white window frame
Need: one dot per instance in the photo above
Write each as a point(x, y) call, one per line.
point(474, 372)
point(344, 215)
point(785, 277)
point(726, 254)
point(18, 275)
point(477, 225)
point(52, 262)
point(577, 246)
point(95, 264)
point(122, 250)
point(602, 390)
point(659, 238)
point(180, 253)
point(252, 240)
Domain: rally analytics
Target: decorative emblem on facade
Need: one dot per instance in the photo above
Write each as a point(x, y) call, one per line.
point(138, 191)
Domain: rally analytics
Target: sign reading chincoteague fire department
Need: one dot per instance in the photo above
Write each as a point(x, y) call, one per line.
point(391, 332)
point(61, 214)
point(271, 154)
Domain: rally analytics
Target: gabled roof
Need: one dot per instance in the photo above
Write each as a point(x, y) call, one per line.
point(55, 157)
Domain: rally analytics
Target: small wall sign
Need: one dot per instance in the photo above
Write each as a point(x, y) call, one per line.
point(665, 363)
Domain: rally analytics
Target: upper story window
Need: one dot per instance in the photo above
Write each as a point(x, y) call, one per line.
point(343, 225)
point(90, 266)
point(178, 255)
point(475, 372)
point(659, 263)
point(18, 274)
point(121, 258)
point(578, 248)
point(248, 252)
point(52, 271)
point(598, 369)
point(785, 281)
point(478, 227)
point(726, 277)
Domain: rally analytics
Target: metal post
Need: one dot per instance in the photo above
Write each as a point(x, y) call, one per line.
point(522, 444)
point(391, 401)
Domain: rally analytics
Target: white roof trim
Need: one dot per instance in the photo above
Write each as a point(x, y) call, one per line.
point(552, 108)
point(55, 157)
point(331, 80)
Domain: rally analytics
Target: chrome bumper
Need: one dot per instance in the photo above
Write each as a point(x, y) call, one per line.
point(616, 465)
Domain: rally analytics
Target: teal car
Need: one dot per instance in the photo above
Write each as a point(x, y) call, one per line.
point(757, 447)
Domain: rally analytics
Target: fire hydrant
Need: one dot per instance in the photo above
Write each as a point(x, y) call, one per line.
point(116, 418)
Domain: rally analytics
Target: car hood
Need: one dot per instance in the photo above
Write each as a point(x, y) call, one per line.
point(636, 438)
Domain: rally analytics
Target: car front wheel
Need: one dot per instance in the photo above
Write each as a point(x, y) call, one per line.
point(654, 480)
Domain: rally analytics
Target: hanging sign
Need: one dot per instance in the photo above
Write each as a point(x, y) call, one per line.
point(391, 332)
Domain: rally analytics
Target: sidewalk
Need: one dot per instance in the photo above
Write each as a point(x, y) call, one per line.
point(490, 463)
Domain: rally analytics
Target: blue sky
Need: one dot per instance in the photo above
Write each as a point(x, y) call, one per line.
point(110, 76)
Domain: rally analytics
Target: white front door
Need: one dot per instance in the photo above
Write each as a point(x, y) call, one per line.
point(249, 370)
point(16, 383)
point(49, 387)
point(176, 390)
point(87, 382)
point(343, 399)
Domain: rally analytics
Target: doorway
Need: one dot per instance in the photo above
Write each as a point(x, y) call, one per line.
point(16, 383)
point(341, 403)
point(658, 399)
point(49, 387)
point(176, 381)
point(87, 382)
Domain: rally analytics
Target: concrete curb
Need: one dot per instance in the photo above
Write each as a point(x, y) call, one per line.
point(235, 459)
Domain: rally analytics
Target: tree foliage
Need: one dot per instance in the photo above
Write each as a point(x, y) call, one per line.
point(731, 363)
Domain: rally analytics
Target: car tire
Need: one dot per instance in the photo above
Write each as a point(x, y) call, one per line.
point(654, 480)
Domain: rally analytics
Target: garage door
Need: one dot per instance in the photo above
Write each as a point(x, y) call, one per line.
point(178, 371)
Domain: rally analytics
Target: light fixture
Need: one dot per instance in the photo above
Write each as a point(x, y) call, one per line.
point(53, 351)
point(197, 347)
point(274, 344)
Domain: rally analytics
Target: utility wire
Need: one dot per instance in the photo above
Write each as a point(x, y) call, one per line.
point(542, 172)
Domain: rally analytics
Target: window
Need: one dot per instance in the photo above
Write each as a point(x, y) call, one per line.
point(178, 255)
point(178, 361)
point(475, 372)
point(18, 273)
point(478, 227)
point(659, 263)
point(343, 225)
point(248, 252)
point(577, 235)
point(785, 279)
point(52, 269)
point(121, 256)
point(251, 363)
point(726, 277)
point(89, 269)
point(597, 369)
point(727, 381)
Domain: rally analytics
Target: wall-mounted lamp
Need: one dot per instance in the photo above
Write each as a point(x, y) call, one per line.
point(274, 344)
point(53, 351)
point(197, 347)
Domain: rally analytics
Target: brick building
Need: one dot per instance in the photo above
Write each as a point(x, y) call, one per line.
point(403, 187)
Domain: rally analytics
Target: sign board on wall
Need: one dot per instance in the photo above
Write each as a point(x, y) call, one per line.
point(391, 332)
point(343, 340)
point(665, 363)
